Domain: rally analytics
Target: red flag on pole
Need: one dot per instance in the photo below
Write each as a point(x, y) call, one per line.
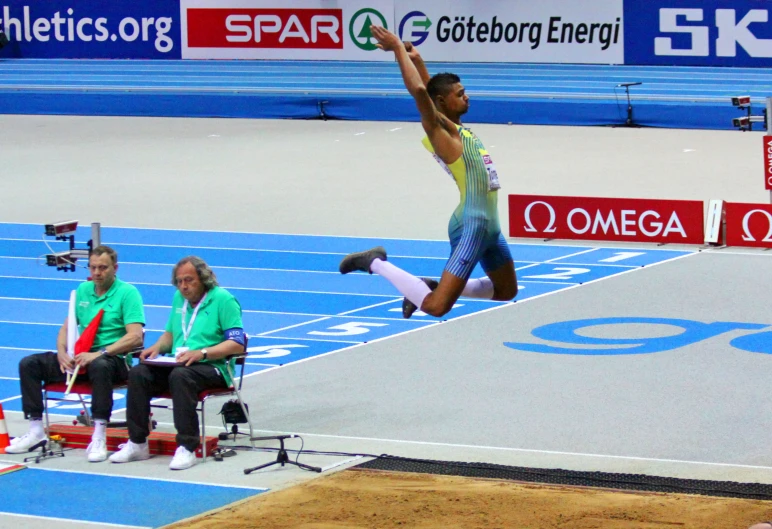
point(86, 340)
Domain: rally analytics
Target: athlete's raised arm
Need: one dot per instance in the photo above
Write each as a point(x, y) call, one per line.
point(441, 131)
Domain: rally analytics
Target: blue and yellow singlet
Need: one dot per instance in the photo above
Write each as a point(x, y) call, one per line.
point(477, 181)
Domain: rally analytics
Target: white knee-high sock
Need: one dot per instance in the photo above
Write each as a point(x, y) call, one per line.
point(409, 285)
point(478, 288)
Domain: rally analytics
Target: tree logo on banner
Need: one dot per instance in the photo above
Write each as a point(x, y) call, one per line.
point(359, 28)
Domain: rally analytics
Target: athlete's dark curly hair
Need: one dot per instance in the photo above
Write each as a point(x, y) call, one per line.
point(441, 84)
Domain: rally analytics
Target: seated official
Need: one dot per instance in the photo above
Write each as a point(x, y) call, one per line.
point(119, 332)
point(203, 330)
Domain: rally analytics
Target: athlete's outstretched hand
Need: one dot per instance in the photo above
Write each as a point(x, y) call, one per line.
point(387, 40)
point(412, 51)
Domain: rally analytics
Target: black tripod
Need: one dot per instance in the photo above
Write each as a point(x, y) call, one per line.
point(281, 457)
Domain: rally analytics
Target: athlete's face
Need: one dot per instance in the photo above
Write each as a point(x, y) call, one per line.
point(456, 101)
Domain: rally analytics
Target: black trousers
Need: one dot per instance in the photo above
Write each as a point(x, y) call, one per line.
point(184, 383)
point(103, 373)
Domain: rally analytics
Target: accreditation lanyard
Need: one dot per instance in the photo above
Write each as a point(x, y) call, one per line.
point(186, 330)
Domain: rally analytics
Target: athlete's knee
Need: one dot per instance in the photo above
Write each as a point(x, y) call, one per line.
point(506, 292)
point(436, 306)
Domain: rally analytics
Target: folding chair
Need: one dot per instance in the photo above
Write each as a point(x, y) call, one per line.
point(81, 388)
point(205, 395)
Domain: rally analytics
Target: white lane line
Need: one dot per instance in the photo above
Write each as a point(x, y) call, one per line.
point(73, 520)
point(289, 338)
point(54, 325)
point(256, 364)
point(279, 313)
point(266, 333)
point(718, 251)
point(525, 450)
point(371, 307)
point(30, 323)
point(124, 476)
point(588, 250)
point(226, 286)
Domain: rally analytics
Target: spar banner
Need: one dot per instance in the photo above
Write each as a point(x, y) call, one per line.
point(698, 32)
point(749, 225)
point(288, 29)
point(606, 219)
point(544, 31)
point(91, 29)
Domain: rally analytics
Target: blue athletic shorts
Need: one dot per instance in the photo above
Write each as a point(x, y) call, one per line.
point(472, 244)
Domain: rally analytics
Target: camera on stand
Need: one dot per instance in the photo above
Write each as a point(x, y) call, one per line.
point(746, 122)
point(61, 230)
point(65, 231)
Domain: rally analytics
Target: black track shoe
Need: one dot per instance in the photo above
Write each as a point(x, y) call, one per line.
point(408, 307)
point(361, 261)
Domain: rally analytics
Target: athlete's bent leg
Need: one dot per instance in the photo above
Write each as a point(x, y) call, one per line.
point(504, 282)
point(410, 286)
point(441, 300)
point(481, 288)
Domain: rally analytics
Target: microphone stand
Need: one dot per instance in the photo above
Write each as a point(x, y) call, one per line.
point(282, 456)
point(629, 122)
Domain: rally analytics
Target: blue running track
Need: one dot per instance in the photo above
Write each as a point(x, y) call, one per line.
point(126, 502)
point(296, 304)
point(682, 97)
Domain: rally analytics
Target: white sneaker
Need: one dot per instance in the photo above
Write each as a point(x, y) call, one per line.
point(23, 444)
point(182, 459)
point(97, 450)
point(131, 452)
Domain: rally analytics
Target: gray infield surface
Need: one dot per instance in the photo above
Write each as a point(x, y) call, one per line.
point(697, 411)
point(337, 177)
point(452, 391)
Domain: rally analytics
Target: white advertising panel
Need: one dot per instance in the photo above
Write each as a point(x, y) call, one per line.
point(288, 29)
point(545, 31)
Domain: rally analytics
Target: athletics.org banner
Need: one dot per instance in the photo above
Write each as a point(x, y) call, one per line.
point(91, 29)
point(699, 32)
point(546, 31)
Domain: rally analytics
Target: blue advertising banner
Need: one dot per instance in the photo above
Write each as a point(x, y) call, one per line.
point(698, 32)
point(91, 29)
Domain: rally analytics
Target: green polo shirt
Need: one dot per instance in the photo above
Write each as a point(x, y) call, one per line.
point(122, 304)
point(219, 312)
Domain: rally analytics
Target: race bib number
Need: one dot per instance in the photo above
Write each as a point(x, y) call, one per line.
point(493, 176)
point(444, 166)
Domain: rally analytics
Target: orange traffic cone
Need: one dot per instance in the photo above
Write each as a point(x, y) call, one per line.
point(4, 439)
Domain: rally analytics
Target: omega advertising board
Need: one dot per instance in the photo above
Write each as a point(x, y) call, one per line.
point(606, 219)
point(749, 225)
